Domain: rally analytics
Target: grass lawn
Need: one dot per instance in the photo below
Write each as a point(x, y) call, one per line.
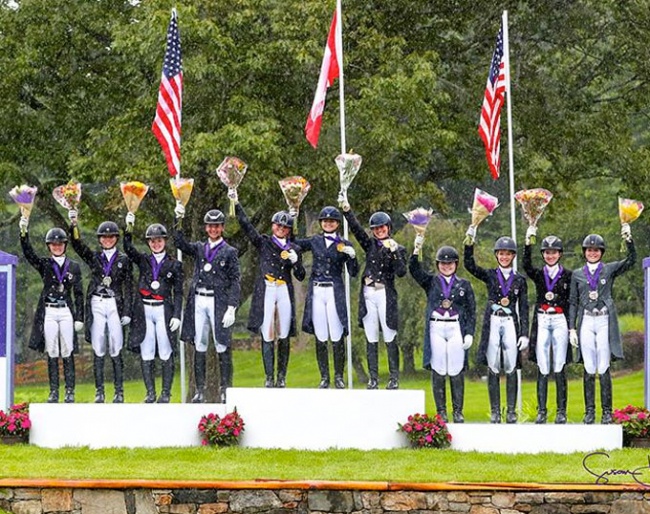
point(402, 465)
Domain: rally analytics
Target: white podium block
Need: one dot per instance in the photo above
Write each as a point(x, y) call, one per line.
point(318, 419)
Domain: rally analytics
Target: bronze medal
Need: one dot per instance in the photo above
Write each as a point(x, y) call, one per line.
point(207, 266)
point(505, 301)
point(155, 284)
point(446, 303)
point(593, 295)
point(284, 254)
point(106, 281)
point(550, 296)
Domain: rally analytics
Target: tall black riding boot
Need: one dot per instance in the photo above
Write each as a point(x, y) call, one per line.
point(322, 357)
point(148, 370)
point(69, 377)
point(439, 394)
point(606, 397)
point(167, 380)
point(98, 371)
point(561, 397)
point(53, 377)
point(494, 392)
point(268, 358)
point(372, 354)
point(338, 349)
point(589, 382)
point(542, 394)
point(226, 372)
point(283, 362)
point(393, 365)
point(457, 384)
point(199, 377)
point(511, 397)
point(118, 378)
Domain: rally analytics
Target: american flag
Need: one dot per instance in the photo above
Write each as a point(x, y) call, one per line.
point(489, 127)
point(167, 123)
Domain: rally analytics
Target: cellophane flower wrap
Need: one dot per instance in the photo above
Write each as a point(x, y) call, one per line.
point(231, 171)
point(482, 207)
point(424, 431)
point(133, 192)
point(68, 195)
point(24, 196)
point(182, 189)
point(629, 210)
point(219, 431)
point(634, 420)
point(15, 421)
point(533, 202)
point(348, 165)
point(295, 190)
point(419, 218)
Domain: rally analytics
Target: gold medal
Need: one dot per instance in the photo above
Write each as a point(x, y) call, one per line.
point(340, 247)
point(284, 254)
point(593, 295)
point(446, 303)
point(505, 301)
point(550, 296)
point(106, 281)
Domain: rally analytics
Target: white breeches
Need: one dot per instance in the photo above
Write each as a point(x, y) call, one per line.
point(594, 343)
point(552, 333)
point(203, 322)
point(503, 338)
point(324, 316)
point(276, 297)
point(156, 333)
point(58, 329)
point(105, 316)
point(376, 315)
point(447, 354)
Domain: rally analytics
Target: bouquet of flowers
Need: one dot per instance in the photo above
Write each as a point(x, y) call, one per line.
point(348, 165)
point(533, 202)
point(16, 421)
point(419, 218)
point(634, 420)
point(24, 196)
point(628, 211)
point(294, 190)
point(424, 431)
point(68, 195)
point(231, 171)
point(133, 193)
point(221, 431)
point(482, 207)
point(182, 189)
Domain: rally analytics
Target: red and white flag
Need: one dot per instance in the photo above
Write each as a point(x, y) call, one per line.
point(329, 71)
point(167, 123)
point(490, 123)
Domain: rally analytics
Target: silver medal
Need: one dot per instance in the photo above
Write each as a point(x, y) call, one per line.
point(106, 281)
point(60, 289)
point(593, 295)
point(550, 296)
point(207, 266)
point(155, 284)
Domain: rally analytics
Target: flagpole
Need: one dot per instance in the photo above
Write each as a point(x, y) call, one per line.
point(339, 58)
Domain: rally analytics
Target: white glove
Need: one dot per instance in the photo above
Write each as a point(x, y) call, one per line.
point(125, 320)
point(174, 324)
point(626, 233)
point(573, 338)
point(78, 326)
point(228, 317)
point(522, 343)
point(343, 201)
point(292, 256)
point(392, 245)
point(179, 210)
point(349, 250)
point(232, 194)
point(467, 341)
point(130, 218)
point(531, 232)
point(471, 232)
point(293, 212)
point(72, 216)
point(23, 224)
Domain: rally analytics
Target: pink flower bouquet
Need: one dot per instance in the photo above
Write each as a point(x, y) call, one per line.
point(182, 189)
point(133, 192)
point(68, 195)
point(424, 431)
point(16, 422)
point(419, 218)
point(482, 207)
point(634, 420)
point(348, 165)
point(295, 190)
point(533, 202)
point(219, 431)
point(24, 196)
point(231, 171)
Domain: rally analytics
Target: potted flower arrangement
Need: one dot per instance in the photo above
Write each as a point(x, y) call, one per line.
point(424, 431)
point(15, 424)
point(636, 425)
point(219, 431)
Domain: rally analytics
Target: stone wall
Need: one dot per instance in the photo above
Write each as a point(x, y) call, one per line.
point(333, 499)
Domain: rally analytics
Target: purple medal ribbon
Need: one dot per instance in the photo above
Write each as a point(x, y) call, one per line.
point(446, 287)
point(592, 280)
point(156, 266)
point(210, 254)
point(550, 284)
point(286, 246)
point(335, 239)
point(107, 265)
point(505, 284)
point(60, 272)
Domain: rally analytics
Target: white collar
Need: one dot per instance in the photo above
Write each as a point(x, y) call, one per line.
point(59, 260)
point(552, 270)
point(159, 256)
point(591, 266)
point(214, 243)
point(109, 252)
point(506, 271)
